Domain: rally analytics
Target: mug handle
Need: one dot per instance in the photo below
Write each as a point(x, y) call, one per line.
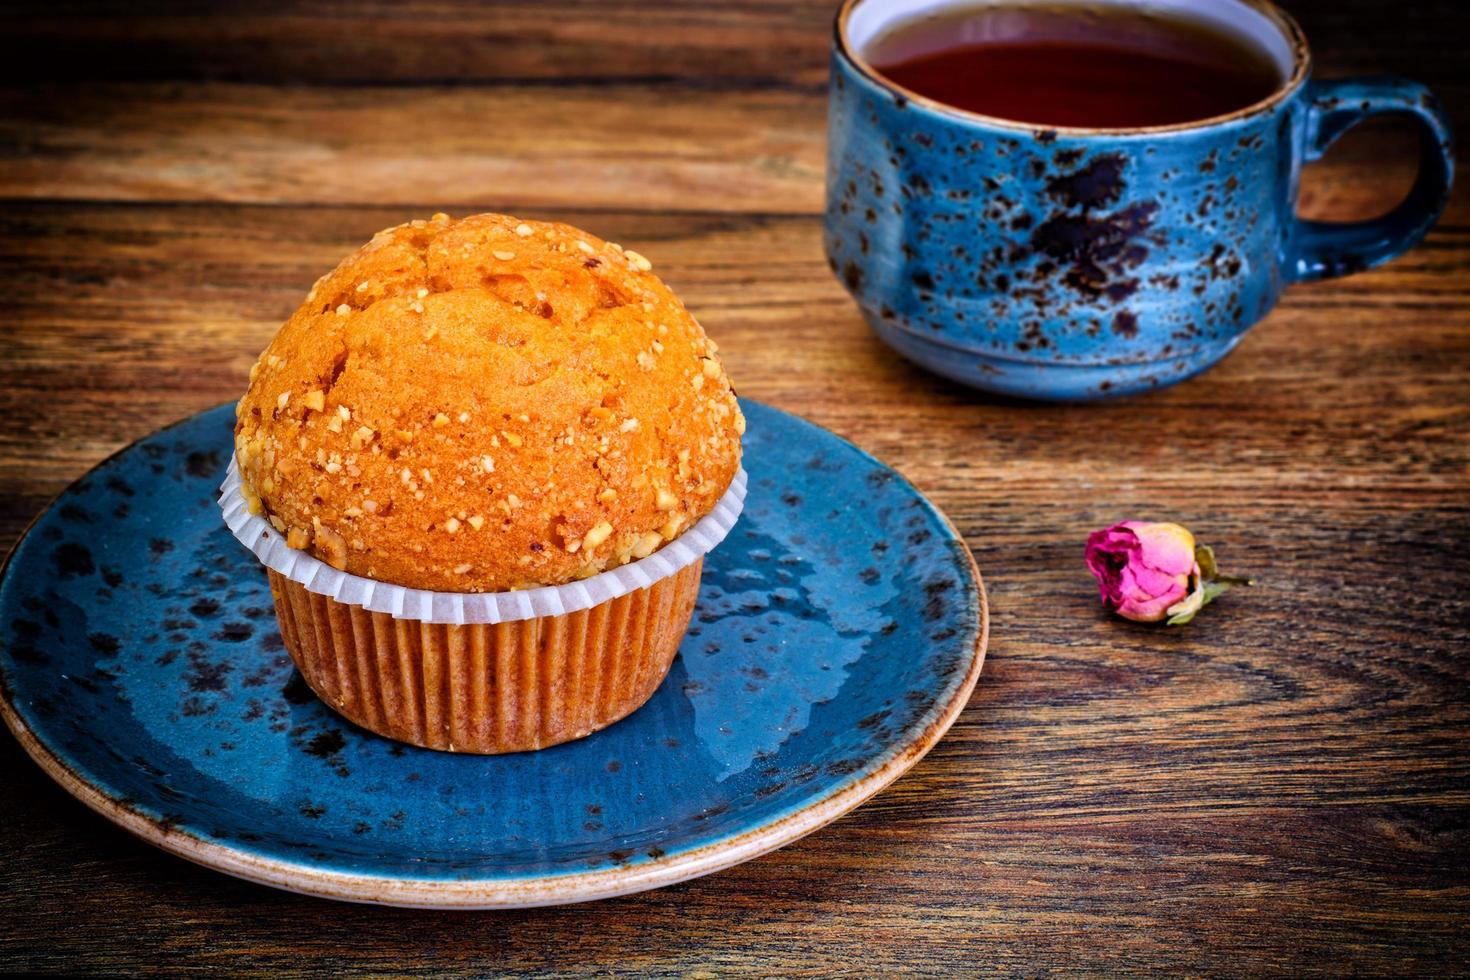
point(1323, 249)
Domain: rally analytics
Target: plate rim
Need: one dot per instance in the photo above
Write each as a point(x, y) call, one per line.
point(527, 891)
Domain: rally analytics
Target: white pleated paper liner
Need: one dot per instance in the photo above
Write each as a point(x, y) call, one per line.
point(459, 608)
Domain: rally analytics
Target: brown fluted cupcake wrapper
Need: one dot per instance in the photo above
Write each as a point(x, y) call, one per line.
point(481, 687)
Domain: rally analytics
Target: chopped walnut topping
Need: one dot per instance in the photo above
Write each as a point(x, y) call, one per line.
point(464, 416)
point(597, 535)
point(585, 247)
point(452, 525)
point(476, 521)
point(524, 230)
point(353, 512)
point(646, 361)
point(487, 464)
point(333, 467)
point(503, 256)
point(362, 437)
point(345, 412)
point(665, 500)
point(647, 544)
point(363, 286)
point(371, 506)
point(638, 261)
point(330, 546)
point(281, 401)
point(297, 538)
point(462, 569)
point(334, 424)
point(739, 423)
point(276, 523)
point(711, 368)
point(608, 495)
point(343, 310)
point(697, 381)
point(441, 420)
point(629, 425)
point(512, 438)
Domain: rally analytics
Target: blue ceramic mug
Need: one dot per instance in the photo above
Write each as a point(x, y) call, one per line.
point(1065, 263)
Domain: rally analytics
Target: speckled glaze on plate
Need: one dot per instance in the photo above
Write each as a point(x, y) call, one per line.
point(839, 631)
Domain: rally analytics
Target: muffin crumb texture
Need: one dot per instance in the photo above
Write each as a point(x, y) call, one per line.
point(487, 404)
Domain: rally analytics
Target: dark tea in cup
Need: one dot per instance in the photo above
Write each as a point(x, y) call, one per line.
point(1091, 65)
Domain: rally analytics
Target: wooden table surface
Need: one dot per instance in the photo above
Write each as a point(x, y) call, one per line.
point(1283, 786)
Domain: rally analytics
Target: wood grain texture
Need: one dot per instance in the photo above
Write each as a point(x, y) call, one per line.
point(740, 45)
point(1283, 787)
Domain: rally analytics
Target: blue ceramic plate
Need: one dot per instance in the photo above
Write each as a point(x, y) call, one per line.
point(839, 631)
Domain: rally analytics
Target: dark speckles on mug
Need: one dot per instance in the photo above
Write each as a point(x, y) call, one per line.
point(1096, 253)
point(1096, 185)
point(1125, 324)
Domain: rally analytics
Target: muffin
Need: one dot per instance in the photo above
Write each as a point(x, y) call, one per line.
point(486, 406)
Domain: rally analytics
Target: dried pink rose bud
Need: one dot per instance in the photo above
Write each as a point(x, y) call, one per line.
point(1149, 572)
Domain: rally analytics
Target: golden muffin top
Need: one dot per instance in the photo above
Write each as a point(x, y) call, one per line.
point(487, 404)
